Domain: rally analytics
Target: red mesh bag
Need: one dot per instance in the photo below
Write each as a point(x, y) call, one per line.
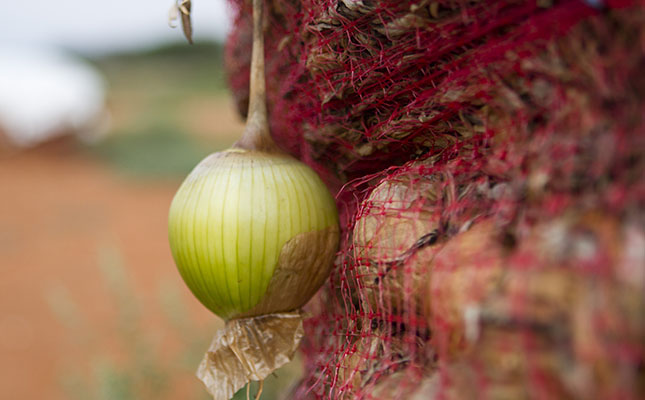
point(488, 159)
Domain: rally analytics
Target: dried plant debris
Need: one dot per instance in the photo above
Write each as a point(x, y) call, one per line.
point(181, 11)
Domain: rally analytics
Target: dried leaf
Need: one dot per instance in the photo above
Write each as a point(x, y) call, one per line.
point(184, 8)
point(249, 349)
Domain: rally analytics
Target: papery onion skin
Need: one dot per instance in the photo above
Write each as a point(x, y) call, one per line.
point(231, 219)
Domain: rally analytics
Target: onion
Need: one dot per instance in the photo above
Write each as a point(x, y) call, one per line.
point(244, 222)
point(253, 232)
point(392, 240)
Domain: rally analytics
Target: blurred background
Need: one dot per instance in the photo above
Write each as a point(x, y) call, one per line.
point(103, 110)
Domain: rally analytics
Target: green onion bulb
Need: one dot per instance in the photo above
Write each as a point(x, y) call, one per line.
point(253, 232)
point(233, 226)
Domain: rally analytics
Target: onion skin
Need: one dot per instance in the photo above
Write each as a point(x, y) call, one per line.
point(230, 221)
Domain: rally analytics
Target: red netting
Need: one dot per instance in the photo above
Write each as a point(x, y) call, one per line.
point(488, 158)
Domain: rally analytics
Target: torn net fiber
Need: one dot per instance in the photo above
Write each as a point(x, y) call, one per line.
point(488, 158)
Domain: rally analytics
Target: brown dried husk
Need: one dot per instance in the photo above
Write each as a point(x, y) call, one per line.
point(249, 349)
point(303, 265)
point(380, 34)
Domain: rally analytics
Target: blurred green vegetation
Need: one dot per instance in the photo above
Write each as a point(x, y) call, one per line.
point(154, 151)
point(149, 94)
point(173, 69)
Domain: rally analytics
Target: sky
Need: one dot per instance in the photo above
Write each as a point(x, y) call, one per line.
point(100, 26)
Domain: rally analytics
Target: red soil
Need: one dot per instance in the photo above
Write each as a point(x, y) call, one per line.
point(58, 210)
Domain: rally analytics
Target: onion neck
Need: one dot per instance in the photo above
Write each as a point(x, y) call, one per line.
point(256, 134)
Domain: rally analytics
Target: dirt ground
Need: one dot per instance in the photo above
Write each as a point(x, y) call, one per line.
point(60, 210)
